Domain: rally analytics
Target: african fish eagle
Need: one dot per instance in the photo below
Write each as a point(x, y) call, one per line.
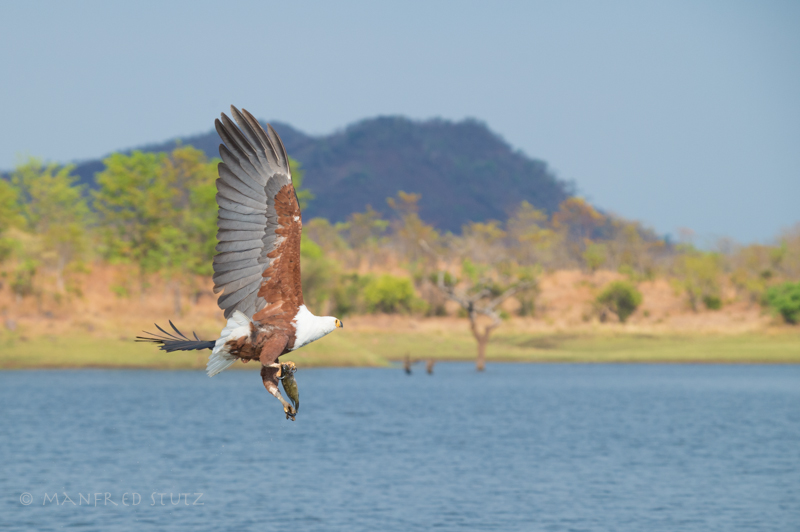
point(257, 266)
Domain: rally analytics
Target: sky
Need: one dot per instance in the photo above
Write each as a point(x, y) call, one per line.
point(677, 114)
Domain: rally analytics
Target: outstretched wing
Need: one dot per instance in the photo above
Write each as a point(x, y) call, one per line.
point(258, 262)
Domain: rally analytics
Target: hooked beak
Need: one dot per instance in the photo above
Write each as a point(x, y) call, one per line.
point(339, 324)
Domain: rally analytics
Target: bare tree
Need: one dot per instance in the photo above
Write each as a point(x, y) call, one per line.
point(483, 301)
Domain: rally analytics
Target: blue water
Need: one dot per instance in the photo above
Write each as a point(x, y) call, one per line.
point(520, 447)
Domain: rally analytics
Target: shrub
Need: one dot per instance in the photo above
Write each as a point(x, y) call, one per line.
point(785, 299)
point(22, 284)
point(389, 294)
point(621, 298)
point(346, 297)
point(712, 302)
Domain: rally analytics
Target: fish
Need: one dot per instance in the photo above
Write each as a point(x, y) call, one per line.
point(290, 385)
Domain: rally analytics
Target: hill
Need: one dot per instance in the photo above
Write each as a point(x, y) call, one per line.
point(464, 171)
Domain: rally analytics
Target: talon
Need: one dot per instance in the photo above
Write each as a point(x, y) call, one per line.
point(287, 368)
point(289, 411)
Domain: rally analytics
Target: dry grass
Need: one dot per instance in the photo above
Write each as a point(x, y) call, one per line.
point(96, 330)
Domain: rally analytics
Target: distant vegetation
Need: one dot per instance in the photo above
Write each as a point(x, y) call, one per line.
point(153, 215)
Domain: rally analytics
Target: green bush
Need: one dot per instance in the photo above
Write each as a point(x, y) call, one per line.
point(712, 302)
point(347, 294)
point(785, 299)
point(389, 294)
point(621, 298)
point(22, 284)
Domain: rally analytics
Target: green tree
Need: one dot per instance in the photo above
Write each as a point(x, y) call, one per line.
point(595, 255)
point(54, 208)
point(317, 274)
point(364, 229)
point(409, 229)
point(191, 240)
point(134, 205)
point(158, 211)
point(577, 220)
point(621, 298)
point(9, 206)
point(9, 217)
point(632, 248)
point(531, 240)
point(699, 276)
point(483, 241)
point(325, 234)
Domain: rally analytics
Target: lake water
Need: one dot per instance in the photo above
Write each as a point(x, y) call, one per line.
point(520, 447)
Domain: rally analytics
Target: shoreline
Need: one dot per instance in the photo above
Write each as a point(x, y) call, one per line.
point(368, 347)
point(397, 365)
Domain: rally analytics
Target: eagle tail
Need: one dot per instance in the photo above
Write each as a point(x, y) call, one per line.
point(238, 325)
point(170, 342)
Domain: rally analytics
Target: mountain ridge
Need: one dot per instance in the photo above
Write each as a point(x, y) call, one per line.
point(463, 170)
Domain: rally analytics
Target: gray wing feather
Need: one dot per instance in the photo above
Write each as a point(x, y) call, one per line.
point(235, 206)
point(229, 299)
point(241, 142)
point(236, 173)
point(259, 219)
point(227, 235)
point(263, 150)
point(232, 194)
point(248, 305)
point(223, 267)
point(263, 138)
point(236, 150)
point(254, 168)
point(235, 166)
point(283, 159)
point(224, 258)
point(234, 225)
point(231, 180)
point(236, 284)
point(239, 245)
point(223, 278)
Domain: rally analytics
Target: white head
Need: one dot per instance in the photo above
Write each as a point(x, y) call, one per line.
point(328, 324)
point(309, 327)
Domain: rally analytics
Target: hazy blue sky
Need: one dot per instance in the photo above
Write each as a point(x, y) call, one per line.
point(678, 114)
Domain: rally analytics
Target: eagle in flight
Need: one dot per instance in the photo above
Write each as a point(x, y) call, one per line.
point(257, 266)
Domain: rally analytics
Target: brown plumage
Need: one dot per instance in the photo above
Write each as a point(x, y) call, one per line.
point(257, 266)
